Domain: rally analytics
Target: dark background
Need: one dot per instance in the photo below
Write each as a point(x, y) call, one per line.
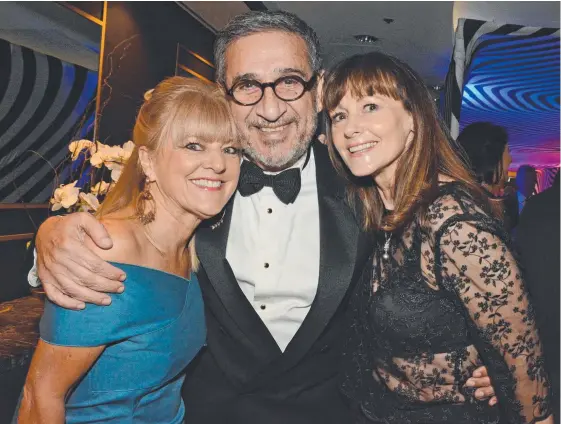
point(153, 30)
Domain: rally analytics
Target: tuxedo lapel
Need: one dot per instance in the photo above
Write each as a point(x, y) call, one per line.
point(211, 243)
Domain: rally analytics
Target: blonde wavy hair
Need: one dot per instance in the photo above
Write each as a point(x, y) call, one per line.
point(177, 108)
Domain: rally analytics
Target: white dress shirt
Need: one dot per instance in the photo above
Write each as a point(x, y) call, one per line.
point(274, 252)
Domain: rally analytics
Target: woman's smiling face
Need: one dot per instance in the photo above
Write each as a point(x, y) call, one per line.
point(371, 133)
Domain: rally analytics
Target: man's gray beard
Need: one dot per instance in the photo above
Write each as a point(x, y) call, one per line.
point(277, 163)
point(280, 163)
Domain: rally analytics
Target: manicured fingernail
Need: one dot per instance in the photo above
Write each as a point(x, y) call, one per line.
point(121, 289)
point(106, 301)
point(106, 240)
point(479, 393)
point(470, 383)
point(81, 306)
point(123, 277)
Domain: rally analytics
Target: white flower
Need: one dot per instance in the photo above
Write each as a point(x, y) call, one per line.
point(100, 188)
point(99, 154)
point(116, 169)
point(106, 155)
point(77, 146)
point(115, 154)
point(32, 276)
point(128, 148)
point(65, 196)
point(89, 202)
point(112, 157)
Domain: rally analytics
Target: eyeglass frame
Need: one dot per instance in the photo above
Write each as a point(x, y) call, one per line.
point(308, 85)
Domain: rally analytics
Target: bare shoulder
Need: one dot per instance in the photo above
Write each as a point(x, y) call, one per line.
point(122, 231)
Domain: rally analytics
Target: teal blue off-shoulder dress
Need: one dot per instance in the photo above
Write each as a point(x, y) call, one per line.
point(152, 331)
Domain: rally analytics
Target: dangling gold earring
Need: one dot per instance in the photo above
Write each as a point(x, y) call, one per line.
point(144, 197)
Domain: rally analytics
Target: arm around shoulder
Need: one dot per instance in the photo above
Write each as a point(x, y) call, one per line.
point(69, 271)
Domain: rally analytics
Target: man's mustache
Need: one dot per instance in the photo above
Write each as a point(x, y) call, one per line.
point(276, 124)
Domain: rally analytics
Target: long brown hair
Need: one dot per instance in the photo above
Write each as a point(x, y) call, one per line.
point(177, 108)
point(431, 152)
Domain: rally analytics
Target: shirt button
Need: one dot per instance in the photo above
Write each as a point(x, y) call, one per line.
point(269, 210)
point(263, 307)
point(266, 265)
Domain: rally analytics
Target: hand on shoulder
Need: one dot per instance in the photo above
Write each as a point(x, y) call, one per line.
point(70, 272)
point(123, 232)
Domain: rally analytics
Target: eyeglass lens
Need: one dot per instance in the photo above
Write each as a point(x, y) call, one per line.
point(285, 89)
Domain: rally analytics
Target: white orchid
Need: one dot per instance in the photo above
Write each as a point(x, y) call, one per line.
point(99, 152)
point(76, 147)
point(100, 155)
point(107, 155)
point(116, 169)
point(100, 188)
point(115, 154)
point(128, 148)
point(89, 202)
point(65, 196)
point(32, 275)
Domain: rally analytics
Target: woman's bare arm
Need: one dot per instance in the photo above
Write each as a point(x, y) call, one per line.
point(53, 372)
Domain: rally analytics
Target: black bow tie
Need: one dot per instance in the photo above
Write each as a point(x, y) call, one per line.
point(285, 185)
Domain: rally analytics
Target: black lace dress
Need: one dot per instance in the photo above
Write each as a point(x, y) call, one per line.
point(448, 299)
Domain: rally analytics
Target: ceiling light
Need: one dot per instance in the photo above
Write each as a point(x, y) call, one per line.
point(365, 38)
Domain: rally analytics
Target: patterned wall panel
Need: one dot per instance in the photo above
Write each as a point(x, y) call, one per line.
point(514, 82)
point(44, 104)
point(191, 64)
point(509, 75)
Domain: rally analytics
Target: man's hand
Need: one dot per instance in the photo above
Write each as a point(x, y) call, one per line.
point(71, 273)
point(480, 379)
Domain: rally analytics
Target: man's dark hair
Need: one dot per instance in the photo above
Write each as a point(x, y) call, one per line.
point(484, 144)
point(264, 21)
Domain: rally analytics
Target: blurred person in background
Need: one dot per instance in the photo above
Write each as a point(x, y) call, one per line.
point(537, 239)
point(487, 148)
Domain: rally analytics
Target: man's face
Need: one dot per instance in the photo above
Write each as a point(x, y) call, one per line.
point(274, 133)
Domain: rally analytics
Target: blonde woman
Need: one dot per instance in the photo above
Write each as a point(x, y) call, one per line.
point(124, 362)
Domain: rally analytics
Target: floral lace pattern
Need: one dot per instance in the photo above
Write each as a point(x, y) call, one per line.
point(449, 299)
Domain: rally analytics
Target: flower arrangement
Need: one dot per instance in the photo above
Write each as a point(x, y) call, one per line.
point(94, 161)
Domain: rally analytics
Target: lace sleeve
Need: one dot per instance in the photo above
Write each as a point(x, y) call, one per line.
point(476, 265)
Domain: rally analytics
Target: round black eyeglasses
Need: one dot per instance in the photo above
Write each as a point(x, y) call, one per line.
point(288, 88)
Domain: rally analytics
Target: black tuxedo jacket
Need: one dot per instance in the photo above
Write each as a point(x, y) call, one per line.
point(242, 376)
point(537, 239)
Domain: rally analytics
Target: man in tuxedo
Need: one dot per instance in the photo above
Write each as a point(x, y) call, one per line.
point(278, 264)
point(537, 239)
